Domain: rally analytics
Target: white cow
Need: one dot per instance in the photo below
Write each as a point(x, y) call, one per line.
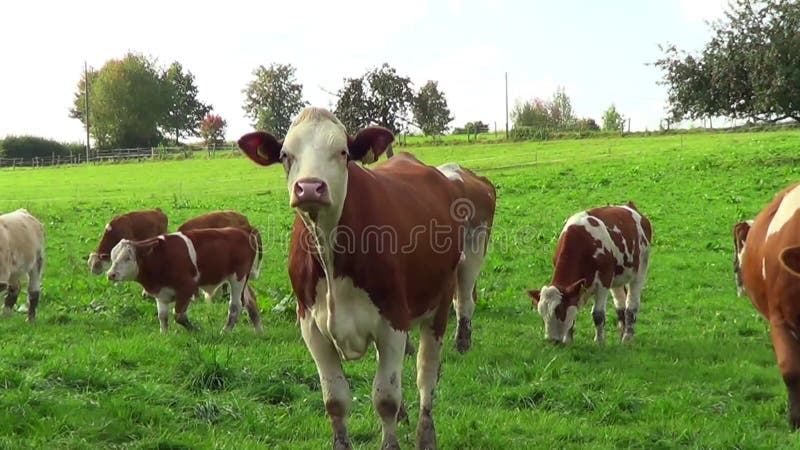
point(21, 255)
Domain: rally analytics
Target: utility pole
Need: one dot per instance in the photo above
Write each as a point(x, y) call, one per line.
point(86, 105)
point(506, 105)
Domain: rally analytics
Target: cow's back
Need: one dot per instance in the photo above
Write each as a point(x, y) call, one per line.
point(221, 251)
point(216, 219)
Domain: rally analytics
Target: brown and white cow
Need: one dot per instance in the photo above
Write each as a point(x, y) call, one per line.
point(21, 256)
point(740, 231)
point(771, 279)
point(372, 253)
point(172, 267)
point(222, 219)
point(134, 226)
point(599, 250)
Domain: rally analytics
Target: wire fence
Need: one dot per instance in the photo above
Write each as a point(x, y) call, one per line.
point(116, 156)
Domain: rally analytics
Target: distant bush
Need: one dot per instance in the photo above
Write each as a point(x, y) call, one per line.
point(30, 147)
point(524, 133)
point(75, 148)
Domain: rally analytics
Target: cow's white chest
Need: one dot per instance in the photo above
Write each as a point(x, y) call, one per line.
point(352, 322)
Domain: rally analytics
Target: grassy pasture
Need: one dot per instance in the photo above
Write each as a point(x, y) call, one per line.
point(94, 372)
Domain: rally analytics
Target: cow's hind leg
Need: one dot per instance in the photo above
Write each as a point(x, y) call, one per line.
point(386, 388)
point(620, 295)
point(787, 351)
point(251, 304)
point(235, 303)
point(632, 304)
point(182, 300)
point(335, 389)
point(467, 276)
point(428, 367)
point(11, 298)
point(599, 314)
point(35, 286)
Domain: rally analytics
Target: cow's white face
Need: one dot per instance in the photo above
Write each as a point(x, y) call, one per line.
point(96, 264)
point(123, 262)
point(314, 156)
point(558, 316)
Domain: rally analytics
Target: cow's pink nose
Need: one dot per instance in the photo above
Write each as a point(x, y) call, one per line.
point(311, 190)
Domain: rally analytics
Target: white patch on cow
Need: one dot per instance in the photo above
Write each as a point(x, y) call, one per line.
point(598, 233)
point(789, 205)
point(764, 268)
point(452, 171)
point(108, 227)
point(356, 320)
point(192, 253)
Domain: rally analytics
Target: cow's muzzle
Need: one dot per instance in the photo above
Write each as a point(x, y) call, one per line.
point(310, 193)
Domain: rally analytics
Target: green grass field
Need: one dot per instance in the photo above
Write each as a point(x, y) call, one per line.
point(94, 372)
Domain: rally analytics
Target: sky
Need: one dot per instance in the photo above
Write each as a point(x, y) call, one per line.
point(597, 50)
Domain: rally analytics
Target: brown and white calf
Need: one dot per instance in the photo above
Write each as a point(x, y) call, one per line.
point(740, 231)
point(134, 226)
point(222, 219)
point(21, 256)
point(771, 279)
point(372, 253)
point(172, 267)
point(599, 250)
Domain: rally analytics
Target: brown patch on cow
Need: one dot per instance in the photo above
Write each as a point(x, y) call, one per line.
point(593, 222)
point(216, 219)
point(134, 226)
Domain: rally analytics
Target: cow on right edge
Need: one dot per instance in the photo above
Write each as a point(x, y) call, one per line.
point(599, 250)
point(770, 268)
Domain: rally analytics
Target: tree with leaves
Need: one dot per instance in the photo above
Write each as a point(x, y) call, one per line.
point(127, 102)
point(352, 106)
point(430, 110)
point(535, 113)
point(212, 129)
point(560, 109)
point(612, 119)
point(747, 70)
point(185, 110)
point(273, 98)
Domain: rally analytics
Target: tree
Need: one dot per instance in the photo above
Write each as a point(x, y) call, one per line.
point(127, 101)
point(273, 98)
point(389, 97)
point(352, 107)
point(587, 124)
point(612, 119)
point(560, 110)
point(212, 129)
point(28, 147)
point(747, 70)
point(185, 110)
point(430, 110)
point(534, 113)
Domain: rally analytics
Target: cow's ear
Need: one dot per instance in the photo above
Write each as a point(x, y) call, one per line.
point(369, 144)
point(573, 291)
point(262, 147)
point(790, 260)
point(534, 295)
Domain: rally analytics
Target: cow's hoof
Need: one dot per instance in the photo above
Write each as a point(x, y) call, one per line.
point(7, 312)
point(426, 433)
point(627, 338)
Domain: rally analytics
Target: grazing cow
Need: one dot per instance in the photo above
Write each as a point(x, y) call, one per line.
point(134, 226)
point(771, 279)
point(599, 250)
point(352, 290)
point(221, 219)
point(21, 255)
point(172, 267)
point(740, 231)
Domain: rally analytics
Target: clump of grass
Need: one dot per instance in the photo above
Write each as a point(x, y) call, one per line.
point(207, 369)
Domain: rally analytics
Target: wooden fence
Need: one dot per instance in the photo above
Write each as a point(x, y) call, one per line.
point(112, 156)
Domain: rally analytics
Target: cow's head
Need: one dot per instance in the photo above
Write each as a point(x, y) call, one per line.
point(315, 154)
point(740, 231)
point(558, 309)
point(124, 266)
point(97, 264)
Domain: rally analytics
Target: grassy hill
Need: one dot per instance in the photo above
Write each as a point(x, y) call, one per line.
point(94, 372)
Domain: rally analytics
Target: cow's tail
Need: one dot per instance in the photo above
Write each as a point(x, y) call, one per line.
point(255, 243)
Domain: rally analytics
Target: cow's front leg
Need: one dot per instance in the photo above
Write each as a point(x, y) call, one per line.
point(11, 299)
point(235, 303)
point(599, 314)
point(335, 389)
point(386, 388)
point(787, 351)
point(162, 304)
point(428, 367)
